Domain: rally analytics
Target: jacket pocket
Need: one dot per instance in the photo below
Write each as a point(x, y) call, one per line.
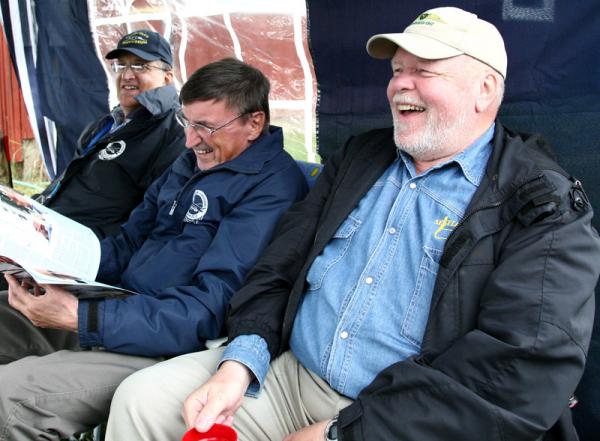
point(333, 253)
point(417, 311)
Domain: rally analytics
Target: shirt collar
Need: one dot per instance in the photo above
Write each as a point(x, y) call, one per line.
point(473, 160)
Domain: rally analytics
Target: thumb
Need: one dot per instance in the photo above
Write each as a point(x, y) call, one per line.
point(208, 415)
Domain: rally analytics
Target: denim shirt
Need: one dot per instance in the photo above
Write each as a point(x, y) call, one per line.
point(369, 291)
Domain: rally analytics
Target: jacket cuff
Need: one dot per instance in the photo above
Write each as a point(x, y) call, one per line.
point(90, 313)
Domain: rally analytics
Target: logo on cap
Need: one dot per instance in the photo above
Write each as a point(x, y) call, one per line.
point(135, 38)
point(428, 18)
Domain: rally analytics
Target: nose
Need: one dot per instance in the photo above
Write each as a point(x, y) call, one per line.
point(192, 138)
point(128, 73)
point(401, 81)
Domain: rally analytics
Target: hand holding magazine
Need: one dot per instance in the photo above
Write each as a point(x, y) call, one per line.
point(38, 244)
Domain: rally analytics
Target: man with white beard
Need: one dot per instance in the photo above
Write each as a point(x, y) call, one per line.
point(436, 284)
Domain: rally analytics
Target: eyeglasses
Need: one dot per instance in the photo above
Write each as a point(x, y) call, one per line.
point(135, 67)
point(185, 123)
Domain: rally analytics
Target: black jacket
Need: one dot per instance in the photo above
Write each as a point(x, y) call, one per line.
point(99, 188)
point(511, 313)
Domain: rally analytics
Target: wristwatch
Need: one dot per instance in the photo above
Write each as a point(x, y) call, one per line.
point(331, 430)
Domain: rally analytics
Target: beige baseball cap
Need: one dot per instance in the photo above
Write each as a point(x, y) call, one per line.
point(444, 33)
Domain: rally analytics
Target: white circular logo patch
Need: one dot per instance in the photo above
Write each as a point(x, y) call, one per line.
point(198, 208)
point(112, 151)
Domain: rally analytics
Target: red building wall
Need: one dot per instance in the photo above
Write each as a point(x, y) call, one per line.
point(14, 123)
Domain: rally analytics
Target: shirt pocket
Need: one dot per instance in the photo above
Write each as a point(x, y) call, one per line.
point(417, 311)
point(334, 251)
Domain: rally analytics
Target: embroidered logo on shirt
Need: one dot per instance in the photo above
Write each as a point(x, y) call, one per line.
point(112, 151)
point(445, 227)
point(198, 208)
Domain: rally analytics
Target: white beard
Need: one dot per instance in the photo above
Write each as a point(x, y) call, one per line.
point(434, 140)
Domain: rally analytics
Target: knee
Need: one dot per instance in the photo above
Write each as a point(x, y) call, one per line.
point(17, 398)
point(16, 385)
point(135, 392)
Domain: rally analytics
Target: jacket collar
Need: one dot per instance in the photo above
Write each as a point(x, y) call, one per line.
point(159, 100)
point(516, 159)
point(261, 151)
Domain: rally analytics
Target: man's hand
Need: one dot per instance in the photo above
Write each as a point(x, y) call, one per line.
point(56, 308)
point(218, 399)
point(314, 432)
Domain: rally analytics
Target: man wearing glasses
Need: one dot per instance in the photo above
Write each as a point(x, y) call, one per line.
point(122, 153)
point(185, 249)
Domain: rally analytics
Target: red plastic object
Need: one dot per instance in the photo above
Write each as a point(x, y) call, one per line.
point(218, 432)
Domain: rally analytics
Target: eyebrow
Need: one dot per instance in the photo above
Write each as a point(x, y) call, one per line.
point(202, 123)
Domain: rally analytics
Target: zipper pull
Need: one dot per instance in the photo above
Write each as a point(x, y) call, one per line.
point(173, 207)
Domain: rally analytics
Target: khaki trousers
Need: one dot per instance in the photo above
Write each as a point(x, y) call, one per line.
point(147, 406)
point(49, 388)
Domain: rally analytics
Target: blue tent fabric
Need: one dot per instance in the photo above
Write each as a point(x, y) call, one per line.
point(72, 84)
point(552, 87)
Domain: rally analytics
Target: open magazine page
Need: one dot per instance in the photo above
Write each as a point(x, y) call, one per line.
point(37, 237)
point(38, 243)
point(83, 288)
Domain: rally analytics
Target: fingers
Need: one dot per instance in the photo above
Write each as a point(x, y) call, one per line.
point(192, 406)
point(201, 412)
point(10, 280)
point(207, 416)
point(218, 399)
point(14, 291)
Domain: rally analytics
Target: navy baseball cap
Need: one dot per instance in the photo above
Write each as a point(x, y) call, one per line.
point(146, 44)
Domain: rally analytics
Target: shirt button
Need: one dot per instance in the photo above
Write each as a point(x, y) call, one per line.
point(369, 280)
point(413, 185)
point(392, 230)
point(343, 335)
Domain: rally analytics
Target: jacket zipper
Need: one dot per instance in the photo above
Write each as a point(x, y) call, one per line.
point(180, 192)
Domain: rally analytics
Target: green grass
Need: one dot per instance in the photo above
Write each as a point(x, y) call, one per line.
point(30, 188)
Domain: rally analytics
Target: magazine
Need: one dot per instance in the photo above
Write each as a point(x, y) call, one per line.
point(43, 247)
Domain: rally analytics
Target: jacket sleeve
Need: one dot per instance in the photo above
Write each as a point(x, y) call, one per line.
point(511, 377)
point(116, 251)
point(179, 319)
point(259, 306)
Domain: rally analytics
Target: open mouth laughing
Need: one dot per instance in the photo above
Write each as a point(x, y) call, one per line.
point(405, 109)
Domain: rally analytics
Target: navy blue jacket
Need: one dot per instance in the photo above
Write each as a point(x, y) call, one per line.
point(187, 248)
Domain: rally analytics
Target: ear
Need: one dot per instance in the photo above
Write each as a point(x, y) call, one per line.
point(257, 124)
point(168, 77)
point(488, 89)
